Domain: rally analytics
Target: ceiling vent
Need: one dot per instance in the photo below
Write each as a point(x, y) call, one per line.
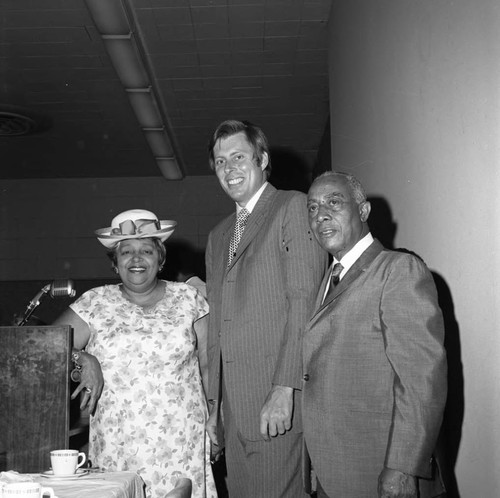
point(15, 122)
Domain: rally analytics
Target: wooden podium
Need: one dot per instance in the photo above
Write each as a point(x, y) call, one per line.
point(35, 364)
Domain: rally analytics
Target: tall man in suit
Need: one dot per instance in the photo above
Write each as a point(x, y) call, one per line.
point(374, 363)
point(260, 294)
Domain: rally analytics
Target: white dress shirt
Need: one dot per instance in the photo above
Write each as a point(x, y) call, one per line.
point(350, 258)
point(253, 201)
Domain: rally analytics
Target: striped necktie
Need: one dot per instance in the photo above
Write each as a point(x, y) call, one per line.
point(239, 227)
point(334, 279)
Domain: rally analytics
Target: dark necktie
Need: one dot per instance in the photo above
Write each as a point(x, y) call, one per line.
point(239, 227)
point(334, 279)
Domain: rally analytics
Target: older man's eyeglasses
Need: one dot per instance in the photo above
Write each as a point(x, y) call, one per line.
point(334, 204)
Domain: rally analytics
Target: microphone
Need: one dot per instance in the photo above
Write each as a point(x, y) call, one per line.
point(57, 288)
point(62, 288)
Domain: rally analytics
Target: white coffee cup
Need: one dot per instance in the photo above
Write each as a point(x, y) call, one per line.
point(66, 462)
point(26, 490)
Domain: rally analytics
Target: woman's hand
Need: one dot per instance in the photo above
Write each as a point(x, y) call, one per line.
point(91, 379)
point(91, 383)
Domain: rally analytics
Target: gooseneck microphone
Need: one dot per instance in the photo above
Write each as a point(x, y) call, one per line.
point(62, 288)
point(57, 288)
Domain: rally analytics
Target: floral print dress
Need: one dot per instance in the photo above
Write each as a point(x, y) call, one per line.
point(152, 412)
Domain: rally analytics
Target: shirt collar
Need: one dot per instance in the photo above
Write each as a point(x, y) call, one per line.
point(253, 201)
point(353, 255)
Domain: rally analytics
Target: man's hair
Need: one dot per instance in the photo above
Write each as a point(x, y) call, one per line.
point(255, 136)
point(357, 190)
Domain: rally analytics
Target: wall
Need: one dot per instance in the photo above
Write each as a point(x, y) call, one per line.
point(47, 226)
point(415, 113)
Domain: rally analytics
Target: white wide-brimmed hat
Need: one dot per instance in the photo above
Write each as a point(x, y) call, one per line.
point(135, 224)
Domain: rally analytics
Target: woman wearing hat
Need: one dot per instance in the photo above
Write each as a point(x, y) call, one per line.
point(147, 335)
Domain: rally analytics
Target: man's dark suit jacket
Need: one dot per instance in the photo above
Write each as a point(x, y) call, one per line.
point(260, 304)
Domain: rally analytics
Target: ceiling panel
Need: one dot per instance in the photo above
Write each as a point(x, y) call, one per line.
point(261, 60)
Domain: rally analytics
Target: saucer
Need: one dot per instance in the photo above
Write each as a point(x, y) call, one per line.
point(78, 473)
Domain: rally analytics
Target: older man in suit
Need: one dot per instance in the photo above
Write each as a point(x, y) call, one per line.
point(374, 363)
point(260, 291)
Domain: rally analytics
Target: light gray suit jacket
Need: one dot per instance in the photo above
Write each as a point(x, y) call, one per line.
point(376, 367)
point(260, 304)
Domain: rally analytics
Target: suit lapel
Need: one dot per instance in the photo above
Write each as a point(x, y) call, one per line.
point(221, 244)
point(226, 238)
point(255, 223)
point(322, 289)
point(358, 268)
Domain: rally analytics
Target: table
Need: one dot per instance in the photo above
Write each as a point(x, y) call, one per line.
point(96, 485)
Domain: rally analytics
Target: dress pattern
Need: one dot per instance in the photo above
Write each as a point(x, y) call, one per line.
point(152, 412)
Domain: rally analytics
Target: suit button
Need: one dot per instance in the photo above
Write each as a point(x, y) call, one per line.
point(306, 377)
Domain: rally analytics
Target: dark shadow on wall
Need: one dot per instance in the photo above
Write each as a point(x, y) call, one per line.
point(451, 431)
point(289, 171)
point(325, 151)
point(384, 228)
point(183, 261)
point(381, 222)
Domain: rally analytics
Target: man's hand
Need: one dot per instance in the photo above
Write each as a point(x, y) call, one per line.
point(276, 413)
point(91, 382)
point(395, 484)
point(211, 426)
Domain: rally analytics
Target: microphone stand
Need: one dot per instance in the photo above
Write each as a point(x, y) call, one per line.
point(33, 304)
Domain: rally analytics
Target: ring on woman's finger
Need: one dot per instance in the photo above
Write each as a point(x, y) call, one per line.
point(87, 389)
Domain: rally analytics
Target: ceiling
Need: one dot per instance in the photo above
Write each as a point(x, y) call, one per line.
point(260, 60)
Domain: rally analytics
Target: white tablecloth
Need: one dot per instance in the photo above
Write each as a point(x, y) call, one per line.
point(96, 485)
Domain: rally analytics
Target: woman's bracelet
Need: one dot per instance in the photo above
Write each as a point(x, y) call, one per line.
point(76, 373)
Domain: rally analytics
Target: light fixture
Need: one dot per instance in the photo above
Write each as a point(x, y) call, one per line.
point(123, 51)
point(109, 16)
point(145, 107)
point(159, 142)
point(115, 21)
point(169, 168)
